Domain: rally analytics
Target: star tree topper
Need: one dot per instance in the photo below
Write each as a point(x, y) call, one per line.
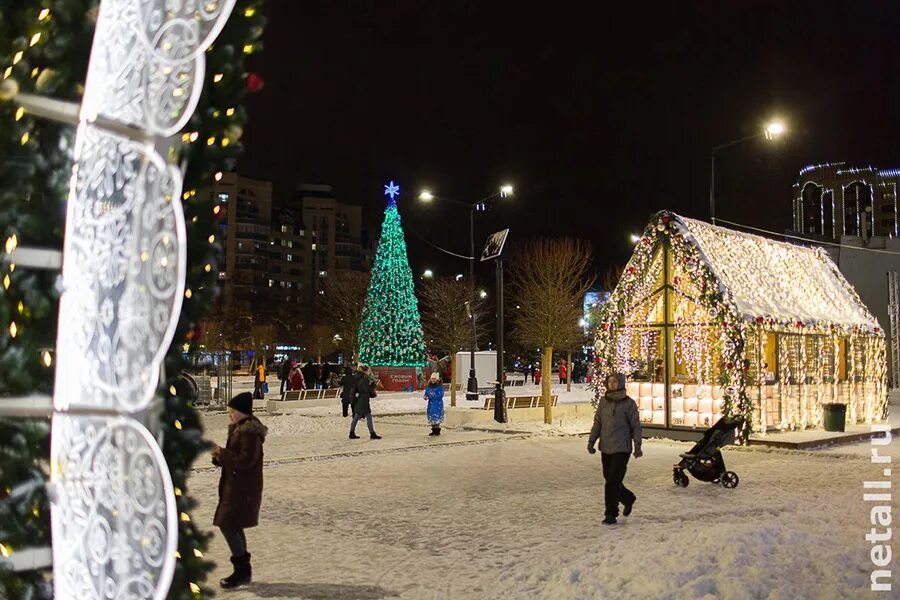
point(392, 190)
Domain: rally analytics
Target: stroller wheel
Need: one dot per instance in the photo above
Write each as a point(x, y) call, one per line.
point(730, 479)
point(681, 480)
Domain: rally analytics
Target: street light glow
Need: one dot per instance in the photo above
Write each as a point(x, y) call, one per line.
point(426, 196)
point(459, 276)
point(774, 129)
point(506, 190)
point(635, 238)
point(428, 273)
point(482, 294)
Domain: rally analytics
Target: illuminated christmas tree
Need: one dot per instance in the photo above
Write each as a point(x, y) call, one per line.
point(391, 334)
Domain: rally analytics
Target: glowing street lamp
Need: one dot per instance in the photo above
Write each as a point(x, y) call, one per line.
point(428, 274)
point(774, 129)
point(635, 238)
point(506, 190)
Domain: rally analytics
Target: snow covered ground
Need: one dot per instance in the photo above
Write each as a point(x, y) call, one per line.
point(476, 514)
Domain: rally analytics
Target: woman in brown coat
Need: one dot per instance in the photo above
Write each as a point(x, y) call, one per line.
point(241, 484)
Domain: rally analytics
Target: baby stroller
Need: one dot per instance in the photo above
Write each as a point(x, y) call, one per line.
point(704, 461)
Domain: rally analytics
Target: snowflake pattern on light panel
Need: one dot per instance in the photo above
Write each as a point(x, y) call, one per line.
point(124, 261)
point(114, 508)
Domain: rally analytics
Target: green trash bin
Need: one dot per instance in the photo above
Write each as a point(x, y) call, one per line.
point(835, 416)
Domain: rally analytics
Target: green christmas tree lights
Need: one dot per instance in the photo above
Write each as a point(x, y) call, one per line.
point(391, 333)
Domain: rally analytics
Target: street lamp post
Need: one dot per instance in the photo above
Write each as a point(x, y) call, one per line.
point(772, 131)
point(480, 206)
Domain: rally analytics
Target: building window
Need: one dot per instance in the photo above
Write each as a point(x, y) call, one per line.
point(271, 283)
point(223, 197)
point(290, 257)
point(323, 274)
point(284, 229)
point(313, 246)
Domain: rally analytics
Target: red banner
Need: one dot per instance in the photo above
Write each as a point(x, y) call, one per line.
point(397, 379)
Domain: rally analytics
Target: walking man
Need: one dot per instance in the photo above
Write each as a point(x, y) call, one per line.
point(365, 390)
point(617, 426)
point(284, 374)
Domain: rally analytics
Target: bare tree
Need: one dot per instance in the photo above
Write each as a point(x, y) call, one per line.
point(242, 326)
point(319, 340)
point(341, 307)
point(611, 277)
point(548, 280)
point(446, 321)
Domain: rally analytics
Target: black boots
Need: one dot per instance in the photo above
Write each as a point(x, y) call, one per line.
point(242, 572)
point(353, 436)
point(435, 430)
point(374, 436)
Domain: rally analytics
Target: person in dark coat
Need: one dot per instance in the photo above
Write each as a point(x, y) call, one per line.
point(326, 375)
point(617, 426)
point(348, 391)
point(309, 375)
point(240, 485)
point(284, 374)
point(364, 391)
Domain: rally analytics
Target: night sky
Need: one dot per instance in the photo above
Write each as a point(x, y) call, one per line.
point(599, 115)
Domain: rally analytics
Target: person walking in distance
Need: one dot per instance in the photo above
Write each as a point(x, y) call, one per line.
point(617, 426)
point(364, 391)
point(562, 371)
point(348, 390)
point(259, 381)
point(434, 394)
point(297, 382)
point(240, 484)
point(284, 374)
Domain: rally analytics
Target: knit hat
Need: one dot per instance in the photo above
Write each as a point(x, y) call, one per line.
point(243, 402)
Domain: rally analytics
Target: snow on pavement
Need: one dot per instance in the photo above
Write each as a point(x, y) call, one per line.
point(487, 515)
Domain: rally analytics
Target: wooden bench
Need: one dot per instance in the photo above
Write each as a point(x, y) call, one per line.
point(520, 402)
point(330, 393)
point(447, 387)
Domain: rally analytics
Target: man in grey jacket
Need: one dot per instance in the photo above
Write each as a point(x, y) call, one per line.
point(616, 425)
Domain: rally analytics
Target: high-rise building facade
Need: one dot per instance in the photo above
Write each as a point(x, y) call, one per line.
point(852, 213)
point(833, 200)
point(279, 255)
point(244, 233)
point(337, 239)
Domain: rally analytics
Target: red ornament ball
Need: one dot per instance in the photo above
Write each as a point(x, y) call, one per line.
point(255, 83)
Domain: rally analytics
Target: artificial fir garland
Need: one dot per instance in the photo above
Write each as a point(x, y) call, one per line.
point(44, 48)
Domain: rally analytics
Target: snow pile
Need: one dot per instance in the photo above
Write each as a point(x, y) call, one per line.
point(296, 424)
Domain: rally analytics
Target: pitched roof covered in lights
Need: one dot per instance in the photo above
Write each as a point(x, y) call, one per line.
point(768, 278)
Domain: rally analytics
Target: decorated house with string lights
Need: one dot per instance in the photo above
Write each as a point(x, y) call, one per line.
point(707, 321)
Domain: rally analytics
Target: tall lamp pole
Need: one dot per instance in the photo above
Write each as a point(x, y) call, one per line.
point(772, 131)
point(480, 206)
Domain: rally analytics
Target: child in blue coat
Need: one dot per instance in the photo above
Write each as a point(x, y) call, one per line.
point(434, 394)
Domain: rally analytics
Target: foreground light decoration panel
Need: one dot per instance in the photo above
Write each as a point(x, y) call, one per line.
point(113, 512)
